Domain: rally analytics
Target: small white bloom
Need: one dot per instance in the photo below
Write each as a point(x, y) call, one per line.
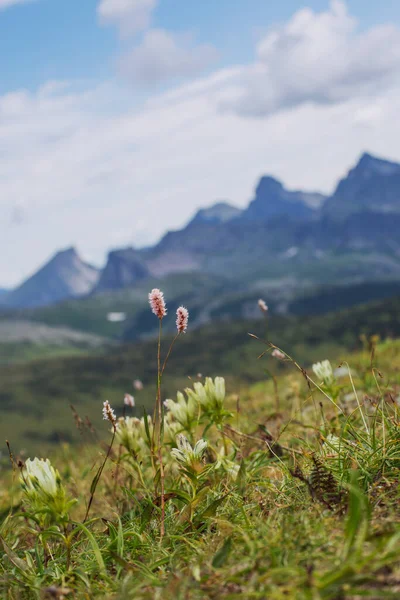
point(323, 370)
point(40, 475)
point(129, 400)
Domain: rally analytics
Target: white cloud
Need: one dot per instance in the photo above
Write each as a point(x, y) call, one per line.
point(162, 56)
point(8, 3)
point(130, 16)
point(85, 167)
point(319, 58)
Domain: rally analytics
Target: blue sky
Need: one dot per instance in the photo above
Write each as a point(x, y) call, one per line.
point(59, 39)
point(119, 123)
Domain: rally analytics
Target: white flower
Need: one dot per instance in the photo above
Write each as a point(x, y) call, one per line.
point(41, 476)
point(187, 455)
point(183, 411)
point(324, 372)
point(43, 489)
point(131, 433)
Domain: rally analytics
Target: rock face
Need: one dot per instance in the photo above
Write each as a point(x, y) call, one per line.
point(273, 200)
point(64, 276)
point(222, 212)
point(372, 185)
point(282, 233)
point(124, 268)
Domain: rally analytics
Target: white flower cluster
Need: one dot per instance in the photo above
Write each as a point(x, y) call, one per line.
point(131, 433)
point(42, 486)
point(323, 370)
point(184, 411)
point(185, 454)
point(211, 395)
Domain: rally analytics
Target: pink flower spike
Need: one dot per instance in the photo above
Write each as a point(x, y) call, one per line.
point(182, 318)
point(278, 354)
point(108, 413)
point(157, 303)
point(129, 400)
point(262, 306)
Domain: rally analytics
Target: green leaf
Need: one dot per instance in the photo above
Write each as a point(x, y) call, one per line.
point(95, 546)
point(222, 554)
point(18, 562)
point(95, 481)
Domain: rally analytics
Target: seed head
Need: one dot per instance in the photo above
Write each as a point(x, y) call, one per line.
point(109, 414)
point(182, 318)
point(157, 303)
point(129, 400)
point(262, 306)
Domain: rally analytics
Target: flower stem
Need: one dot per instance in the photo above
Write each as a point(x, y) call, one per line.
point(100, 471)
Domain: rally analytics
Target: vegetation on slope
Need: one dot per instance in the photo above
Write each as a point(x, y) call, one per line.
point(35, 397)
point(294, 496)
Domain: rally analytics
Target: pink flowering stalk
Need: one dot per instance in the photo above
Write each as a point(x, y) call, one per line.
point(109, 414)
point(182, 319)
point(129, 400)
point(278, 354)
point(262, 306)
point(157, 303)
point(138, 385)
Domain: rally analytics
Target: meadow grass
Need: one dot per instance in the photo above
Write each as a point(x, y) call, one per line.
point(288, 489)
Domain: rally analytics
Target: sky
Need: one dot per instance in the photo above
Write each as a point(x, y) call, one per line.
point(120, 118)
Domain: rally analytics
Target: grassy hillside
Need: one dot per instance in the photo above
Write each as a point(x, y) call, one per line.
point(296, 500)
point(210, 298)
point(35, 398)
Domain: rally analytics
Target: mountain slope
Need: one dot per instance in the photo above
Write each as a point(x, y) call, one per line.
point(272, 200)
point(64, 276)
point(372, 185)
point(124, 268)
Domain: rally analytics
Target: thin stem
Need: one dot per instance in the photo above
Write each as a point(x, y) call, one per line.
point(100, 473)
point(168, 353)
point(160, 417)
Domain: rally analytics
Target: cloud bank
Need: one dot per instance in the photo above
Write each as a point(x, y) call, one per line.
point(87, 166)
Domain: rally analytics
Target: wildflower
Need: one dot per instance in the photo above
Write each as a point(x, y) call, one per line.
point(187, 455)
point(182, 318)
point(43, 489)
point(211, 397)
point(323, 370)
point(157, 303)
point(184, 411)
point(131, 434)
point(262, 306)
point(138, 385)
point(129, 400)
point(278, 354)
point(109, 414)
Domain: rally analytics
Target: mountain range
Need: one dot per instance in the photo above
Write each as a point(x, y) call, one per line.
point(282, 237)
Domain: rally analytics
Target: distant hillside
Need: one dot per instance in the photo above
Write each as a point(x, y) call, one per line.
point(35, 397)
